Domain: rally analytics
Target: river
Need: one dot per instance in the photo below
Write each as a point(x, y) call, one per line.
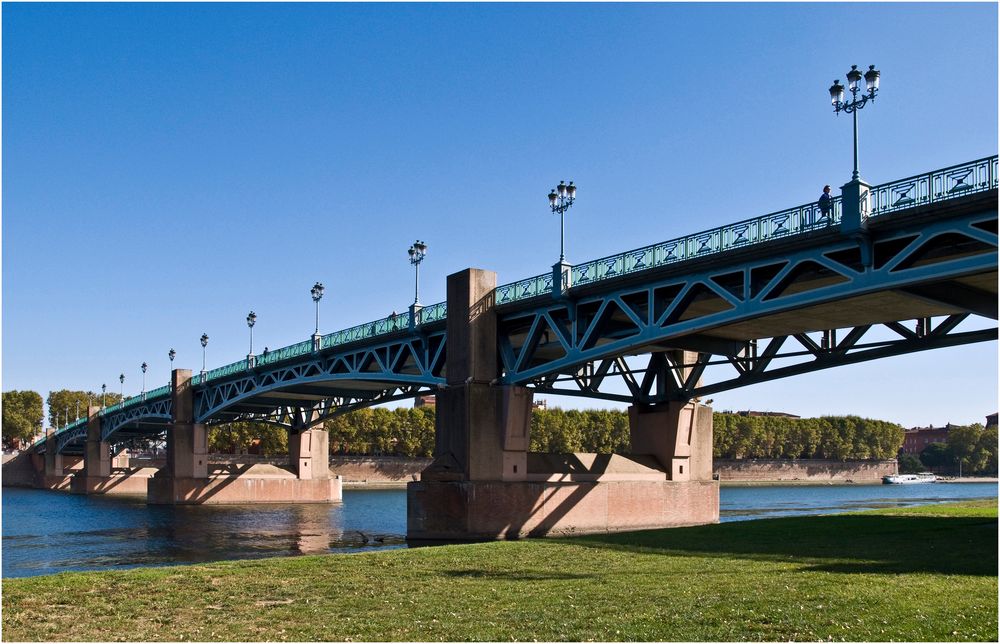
point(48, 532)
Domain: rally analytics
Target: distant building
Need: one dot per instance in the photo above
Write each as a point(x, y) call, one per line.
point(991, 420)
point(540, 404)
point(427, 400)
point(917, 438)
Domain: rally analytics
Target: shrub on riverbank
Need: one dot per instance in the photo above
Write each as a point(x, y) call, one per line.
point(914, 574)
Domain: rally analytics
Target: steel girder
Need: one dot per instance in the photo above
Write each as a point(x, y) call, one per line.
point(72, 438)
point(327, 383)
point(725, 308)
point(153, 411)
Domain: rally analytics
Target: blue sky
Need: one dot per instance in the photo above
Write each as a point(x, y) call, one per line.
point(167, 168)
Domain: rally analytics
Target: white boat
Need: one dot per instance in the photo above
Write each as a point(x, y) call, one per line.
point(902, 479)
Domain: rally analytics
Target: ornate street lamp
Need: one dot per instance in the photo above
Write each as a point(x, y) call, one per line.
point(171, 354)
point(837, 98)
point(144, 366)
point(417, 252)
point(560, 199)
point(204, 344)
point(251, 320)
point(104, 390)
point(317, 294)
point(121, 379)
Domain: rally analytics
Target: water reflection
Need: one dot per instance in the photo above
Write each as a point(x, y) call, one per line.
point(93, 533)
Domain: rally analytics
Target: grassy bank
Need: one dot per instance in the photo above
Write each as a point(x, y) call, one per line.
point(927, 573)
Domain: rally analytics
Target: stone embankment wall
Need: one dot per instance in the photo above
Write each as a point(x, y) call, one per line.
point(396, 469)
point(18, 470)
point(378, 469)
point(759, 469)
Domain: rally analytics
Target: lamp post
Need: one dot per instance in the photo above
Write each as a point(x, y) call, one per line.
point(121, 379)
point(144, 366)
point(317, 294)
point(104, 390)
point(171, 354)
point(839, 105)
point(204, 344)
point(251, 320)
point(560, 199)
point(77, 410)
point(417, 252)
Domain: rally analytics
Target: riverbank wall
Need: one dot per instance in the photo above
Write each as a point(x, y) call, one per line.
point(387, 470)
point(802, 470)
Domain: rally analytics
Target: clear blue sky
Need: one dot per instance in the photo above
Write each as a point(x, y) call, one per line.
point(166, 168)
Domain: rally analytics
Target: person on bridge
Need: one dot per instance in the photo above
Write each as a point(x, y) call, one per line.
point(825, 201)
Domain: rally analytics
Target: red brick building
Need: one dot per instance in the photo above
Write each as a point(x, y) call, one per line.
point(917, 438)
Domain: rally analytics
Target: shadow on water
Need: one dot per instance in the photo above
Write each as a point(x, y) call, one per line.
point(832, 543)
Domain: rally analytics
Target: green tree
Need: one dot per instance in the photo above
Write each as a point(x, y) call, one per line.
point(988, 447)
point(936, 455)
point(909, 464)
point(239, 437)
point(22, 415)
point(66, 404)
point(963, 444)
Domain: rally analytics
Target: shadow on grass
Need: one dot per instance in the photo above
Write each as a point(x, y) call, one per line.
point(838, 543)
point(513, 575)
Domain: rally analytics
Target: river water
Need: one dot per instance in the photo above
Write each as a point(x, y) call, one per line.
point(48, 532)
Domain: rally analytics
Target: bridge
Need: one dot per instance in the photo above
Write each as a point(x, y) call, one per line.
point(904, 266)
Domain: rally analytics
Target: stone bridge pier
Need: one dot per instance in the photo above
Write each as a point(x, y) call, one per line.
point(189, 478)
point(59, 468)
point(485, 484)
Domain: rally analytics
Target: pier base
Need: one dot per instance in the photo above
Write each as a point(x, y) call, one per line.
point(125, 481)
point(243, 484)
point(575, 494)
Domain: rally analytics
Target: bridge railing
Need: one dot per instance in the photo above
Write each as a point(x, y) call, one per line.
point(775, 225)
point(432, 313)
point(297, 349)
point(947, 183)
point(524, 289)
point(937, 185)
point(159, 391)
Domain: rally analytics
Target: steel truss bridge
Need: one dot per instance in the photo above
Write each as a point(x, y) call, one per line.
point(770, 297)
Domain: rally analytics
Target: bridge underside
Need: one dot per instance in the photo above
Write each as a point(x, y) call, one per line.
point(321, 400)
point(895, 289)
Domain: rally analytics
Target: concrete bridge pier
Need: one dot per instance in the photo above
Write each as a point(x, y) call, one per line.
point(188, 478)
point(309, 455)
point(59, 468)
point(102, 473)
point(96, 458)
point(484, 483)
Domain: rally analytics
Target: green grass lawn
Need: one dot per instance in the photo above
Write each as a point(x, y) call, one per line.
point(927, 573)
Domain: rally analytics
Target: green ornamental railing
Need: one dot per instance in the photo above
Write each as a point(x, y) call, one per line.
point(938, 185)
point(432, 313)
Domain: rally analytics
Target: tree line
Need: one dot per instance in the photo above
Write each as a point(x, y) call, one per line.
point(409, 432)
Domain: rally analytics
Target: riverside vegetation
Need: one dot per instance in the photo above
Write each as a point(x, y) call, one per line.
point(915, 574)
